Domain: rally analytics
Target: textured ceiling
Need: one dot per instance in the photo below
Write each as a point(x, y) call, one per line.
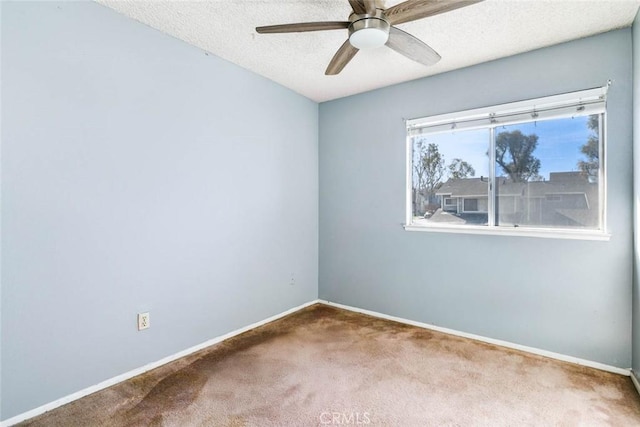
point(471, 35)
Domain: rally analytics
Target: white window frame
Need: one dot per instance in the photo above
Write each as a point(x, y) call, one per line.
point(586, 102)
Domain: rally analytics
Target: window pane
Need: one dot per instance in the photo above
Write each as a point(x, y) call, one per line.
point(547, 174)
point(450, 178)
point(470, 205)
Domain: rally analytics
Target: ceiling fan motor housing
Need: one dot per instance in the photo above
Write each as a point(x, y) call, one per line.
point(368, 31)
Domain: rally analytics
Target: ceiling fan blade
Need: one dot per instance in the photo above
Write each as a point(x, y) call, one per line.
point(341, 58)
point(411, 47)
point(411, 10)
point(302, 27)
point(370, 7)
point(358, 7)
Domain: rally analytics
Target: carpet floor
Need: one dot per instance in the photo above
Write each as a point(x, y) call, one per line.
point(326, 366)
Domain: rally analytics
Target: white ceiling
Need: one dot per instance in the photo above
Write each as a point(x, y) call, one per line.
point(471, 35)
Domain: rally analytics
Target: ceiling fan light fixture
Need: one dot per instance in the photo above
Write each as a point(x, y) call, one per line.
point(368, 38)
point(368, 33)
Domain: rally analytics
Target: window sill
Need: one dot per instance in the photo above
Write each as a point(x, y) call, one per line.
point(516, 231)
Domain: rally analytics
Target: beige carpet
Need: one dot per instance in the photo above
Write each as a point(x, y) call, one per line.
point(325, 366)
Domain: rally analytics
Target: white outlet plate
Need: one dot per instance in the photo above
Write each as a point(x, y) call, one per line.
point(144, 321)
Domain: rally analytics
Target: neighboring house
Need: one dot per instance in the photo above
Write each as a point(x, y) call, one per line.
point(464, 195)
point(566, 199)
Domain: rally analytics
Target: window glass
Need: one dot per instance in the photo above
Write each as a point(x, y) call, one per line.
point(448, 168)
point(547, 173)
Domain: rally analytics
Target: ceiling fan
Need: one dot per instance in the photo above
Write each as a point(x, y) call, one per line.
point(370, 25)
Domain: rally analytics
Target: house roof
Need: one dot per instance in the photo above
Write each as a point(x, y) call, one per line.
point(558, 183)
point(462, 187)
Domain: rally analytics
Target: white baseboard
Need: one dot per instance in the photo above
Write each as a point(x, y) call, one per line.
point(533, 350)
point(635, 381)
point(135, 372)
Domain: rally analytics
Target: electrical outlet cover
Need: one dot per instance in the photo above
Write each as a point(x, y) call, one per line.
point(144, 321)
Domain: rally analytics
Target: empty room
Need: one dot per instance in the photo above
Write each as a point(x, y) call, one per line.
point(320, 212)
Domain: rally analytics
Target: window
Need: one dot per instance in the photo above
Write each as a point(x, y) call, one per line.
point(470, 205)
point(533, 167)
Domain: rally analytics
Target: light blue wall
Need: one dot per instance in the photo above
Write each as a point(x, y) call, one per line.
point(0, 211)
point(636, 194)
point(566, 296)
point(140, 174)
